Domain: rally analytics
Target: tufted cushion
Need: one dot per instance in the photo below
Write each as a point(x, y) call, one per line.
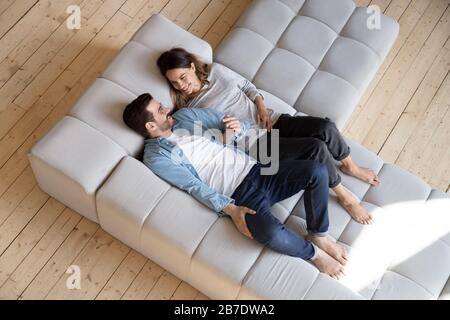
point(102, 107)
point(173, 36)
point(282, 66)
point(71, 161)
point(135, 70)
point(312, 54)
point(398, 185)
point(224, 257)
point(317, 39)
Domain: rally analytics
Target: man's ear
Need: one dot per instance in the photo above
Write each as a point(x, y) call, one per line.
point(150, 126)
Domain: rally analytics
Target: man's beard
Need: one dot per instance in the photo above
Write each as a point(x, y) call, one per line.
point(165, 126)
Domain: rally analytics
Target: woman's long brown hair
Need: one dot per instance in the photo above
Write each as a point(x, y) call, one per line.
point(180, 58)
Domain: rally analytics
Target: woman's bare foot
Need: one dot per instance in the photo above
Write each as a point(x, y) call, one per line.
point(328, 265)
point(352, 205)
point(363, 174)
point(356, 211)
point(333, 249)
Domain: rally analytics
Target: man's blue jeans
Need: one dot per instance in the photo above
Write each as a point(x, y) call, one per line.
point(260, 192)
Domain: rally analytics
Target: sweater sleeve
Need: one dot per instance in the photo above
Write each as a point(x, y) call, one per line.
point(242, 83)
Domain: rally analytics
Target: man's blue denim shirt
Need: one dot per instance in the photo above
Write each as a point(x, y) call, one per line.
point(169, 162)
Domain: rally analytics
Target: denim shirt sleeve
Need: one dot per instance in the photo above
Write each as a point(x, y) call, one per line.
point(245, 125)
point(180, 177)
point(210, 119)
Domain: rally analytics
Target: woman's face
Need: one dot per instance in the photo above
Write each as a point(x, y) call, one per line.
point(184, 79)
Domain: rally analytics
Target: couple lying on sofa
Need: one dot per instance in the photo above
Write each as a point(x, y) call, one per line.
point(191, 149)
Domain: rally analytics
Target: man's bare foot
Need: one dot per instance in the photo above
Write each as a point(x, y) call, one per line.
point(333, 249)
point(356, 211)
point(363, 174)
point(328, 265)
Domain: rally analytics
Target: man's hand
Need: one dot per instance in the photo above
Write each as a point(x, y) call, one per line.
point(232, 128)
point(237, 214)
point(263, 116)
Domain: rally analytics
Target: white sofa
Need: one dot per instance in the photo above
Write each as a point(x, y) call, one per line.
point(311, 57)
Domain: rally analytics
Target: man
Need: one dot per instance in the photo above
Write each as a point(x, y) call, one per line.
point(230, 182)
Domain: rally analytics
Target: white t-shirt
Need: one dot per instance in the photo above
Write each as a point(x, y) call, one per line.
point(221, 168)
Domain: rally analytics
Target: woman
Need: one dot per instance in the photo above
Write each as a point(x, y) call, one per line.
point(195, 84)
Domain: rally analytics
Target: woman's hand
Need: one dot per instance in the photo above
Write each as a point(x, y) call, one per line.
point(263, 117)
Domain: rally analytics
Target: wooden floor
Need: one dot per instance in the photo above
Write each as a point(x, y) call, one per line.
point(44, 68)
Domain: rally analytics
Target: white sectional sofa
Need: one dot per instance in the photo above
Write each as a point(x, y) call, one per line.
point(312, 57)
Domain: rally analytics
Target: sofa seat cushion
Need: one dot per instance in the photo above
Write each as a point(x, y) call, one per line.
point(375, 39)
point(284, 67)
point(71, 162)
point(397, 185)
point(144, 212)
point(327, 95)
point(125, 200)
point(173, 36)
point(366, 159)
point(394, 286)
point(421, 247)
point(275, 103)
point(276, 276)
point(317, 39)
point(342, 57)
point(264, 11)
point(102, 107)
point(135, 69)
point(238, 60)
point(223, 258)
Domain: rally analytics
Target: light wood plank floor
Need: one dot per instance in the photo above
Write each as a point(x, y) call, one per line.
point(44, 68)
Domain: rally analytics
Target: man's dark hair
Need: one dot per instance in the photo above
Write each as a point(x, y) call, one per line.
point(136, 114)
